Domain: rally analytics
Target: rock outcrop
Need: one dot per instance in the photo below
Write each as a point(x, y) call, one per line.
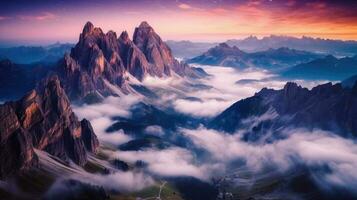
point(42, 119)
point(100, 61)
point(327, 107)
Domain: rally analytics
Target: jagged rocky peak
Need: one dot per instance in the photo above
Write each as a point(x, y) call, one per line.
point(124, 37)
point(155, 50)
point(42, 119)
point(98, 61)
point(144, 24)
point(134, 60)
point(226, 48)
point(88, 28)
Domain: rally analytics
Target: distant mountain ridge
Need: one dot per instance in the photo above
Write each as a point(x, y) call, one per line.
point(18, 79)
point(340, 48)
point(327, 68)
point(274, 59)
point(186, 49)
point(34, 54)
point(327, 46)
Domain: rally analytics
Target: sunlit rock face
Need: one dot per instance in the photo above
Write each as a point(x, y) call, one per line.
point(42, 119)
point(155, 50)
point(99, 59)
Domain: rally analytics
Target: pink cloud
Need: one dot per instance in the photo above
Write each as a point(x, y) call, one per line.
point(4, 18)
point(40, 17)
point(184, 6)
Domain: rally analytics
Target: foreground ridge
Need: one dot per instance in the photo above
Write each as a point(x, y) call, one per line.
point(42, 119)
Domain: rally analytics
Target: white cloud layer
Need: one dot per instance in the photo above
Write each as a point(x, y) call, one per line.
point(315, 148)
point(300, 147)
point(100, 115)
point(226, 89)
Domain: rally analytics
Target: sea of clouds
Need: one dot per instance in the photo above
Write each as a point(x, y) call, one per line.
point(226, 86)
point(211, 153)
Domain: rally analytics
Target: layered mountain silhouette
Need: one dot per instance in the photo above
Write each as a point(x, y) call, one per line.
point(327, 46)
point(99, 61)
point(274, 59)
point(43, 120)
point(327, 68)
point(327, 107)
point(35, 54)
point(18, 79)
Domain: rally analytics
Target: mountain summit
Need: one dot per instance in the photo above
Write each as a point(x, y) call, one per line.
point(99, 61)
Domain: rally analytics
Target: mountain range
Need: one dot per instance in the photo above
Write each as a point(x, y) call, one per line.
point(46, 152)
point(318, 45)
point(253, 44)
point(188, 49)
point(273, 59)
point(100, 61)
point(35, 54)
point(327, 68)
point(43, 118)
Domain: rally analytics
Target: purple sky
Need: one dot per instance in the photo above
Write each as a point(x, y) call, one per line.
point(48, 21)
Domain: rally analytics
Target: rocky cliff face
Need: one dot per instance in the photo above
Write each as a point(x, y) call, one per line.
point(154, 49)
point(42, 119)
point(328, 107)
point(100, 60)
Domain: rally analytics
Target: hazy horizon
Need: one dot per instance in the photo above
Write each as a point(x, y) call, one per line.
point(17, 43)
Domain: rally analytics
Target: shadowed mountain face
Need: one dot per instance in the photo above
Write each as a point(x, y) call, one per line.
point(327, 68)
point(17, 79)
point(328, 107)
point(42, 119)
point(32, 54)
point(101, 60)
point(274, 59)
point(349, 82)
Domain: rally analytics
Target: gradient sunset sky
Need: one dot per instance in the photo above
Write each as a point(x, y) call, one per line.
point(48, 21)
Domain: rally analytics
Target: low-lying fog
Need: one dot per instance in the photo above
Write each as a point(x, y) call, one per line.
point(211, 153)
